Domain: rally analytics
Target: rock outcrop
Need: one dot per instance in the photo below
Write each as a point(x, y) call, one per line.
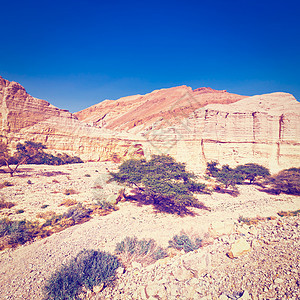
point(261, 129)
point(135, 113)
point(23, 117)
point(194, 126)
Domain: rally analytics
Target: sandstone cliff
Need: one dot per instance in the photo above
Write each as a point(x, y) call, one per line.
point(135, 113)
point(23, 117)
point(262, 129)
point(193, 126)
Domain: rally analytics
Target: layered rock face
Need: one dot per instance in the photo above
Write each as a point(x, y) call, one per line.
point(136, 113)
point(23, 117)
point(194, 126)
point(19, 110)
point(261, 129)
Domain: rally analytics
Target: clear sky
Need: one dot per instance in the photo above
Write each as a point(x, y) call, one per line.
point(77, 53)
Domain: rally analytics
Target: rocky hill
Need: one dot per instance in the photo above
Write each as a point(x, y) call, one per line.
point(134, 113)
point(194, 126)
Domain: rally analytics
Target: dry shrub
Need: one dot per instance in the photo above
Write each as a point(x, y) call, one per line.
point(142, 251)
point(4, 204)
point(289, 213)
point(70, 192)
point(68, 202)
point(46, 215)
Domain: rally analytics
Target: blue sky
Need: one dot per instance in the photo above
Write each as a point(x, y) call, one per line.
point(77, 53)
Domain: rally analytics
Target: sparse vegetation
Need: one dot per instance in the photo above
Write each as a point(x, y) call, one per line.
point(290, 213)
point(89, 268)
point(230, 177)
point(184, 242)
point(286, 181)
point(4, 204)
point(70, 192)
point(162, 182)
point(14, 233)
point(68, 202)
point(142, 251)
point(31, 153)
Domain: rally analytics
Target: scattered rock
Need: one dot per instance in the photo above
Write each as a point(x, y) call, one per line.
point(219, 228)
point(182, 274)
point(98, 288)
point(239, 248)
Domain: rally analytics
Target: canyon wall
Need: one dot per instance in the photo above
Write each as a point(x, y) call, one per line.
point(262, 129)
point(194, 126)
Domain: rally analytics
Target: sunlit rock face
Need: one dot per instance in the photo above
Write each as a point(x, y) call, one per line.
point(262, 129)
point(194, 126)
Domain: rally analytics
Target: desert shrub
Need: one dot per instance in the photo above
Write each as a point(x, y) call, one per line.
point(142, 251)
point(68, 202)
point(44, 206)
point(4, 204)
point(286, 181)
point(231, 176)
point(290, 213)
point(20, 211)
point(17, 232)
point(78, 213)
point(162, 182)
point(70, 192)
point(29, 181)
point(105, 205)
point(252, 171)
point(183, 241)
point(7, 183)
point(87, 175)
point(89, 268)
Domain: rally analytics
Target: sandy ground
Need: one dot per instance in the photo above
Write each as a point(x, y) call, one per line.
point(24, 270)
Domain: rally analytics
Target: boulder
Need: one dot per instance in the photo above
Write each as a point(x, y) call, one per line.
point(239, 248)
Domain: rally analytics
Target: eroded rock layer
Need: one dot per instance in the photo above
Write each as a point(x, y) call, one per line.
point(194, 126)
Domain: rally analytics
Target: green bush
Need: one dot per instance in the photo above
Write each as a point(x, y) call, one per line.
point(89, 268)
point(17, 232)
point(4, 204)
point(286, 181)
point(78, 213)
point(142, 251)
point(232, 176)
point(162, 182)
point(184, 242)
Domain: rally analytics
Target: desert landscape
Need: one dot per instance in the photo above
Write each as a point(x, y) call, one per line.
point(237, 240)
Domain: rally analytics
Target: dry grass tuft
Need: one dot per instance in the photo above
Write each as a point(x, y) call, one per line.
point(68, 202)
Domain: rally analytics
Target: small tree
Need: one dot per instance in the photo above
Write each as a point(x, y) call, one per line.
point(252, 171)
point(286, 181)
point(162, 181)
point(229, 177)
point(7, 159)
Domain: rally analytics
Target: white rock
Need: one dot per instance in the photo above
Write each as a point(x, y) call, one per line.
point(136, 265)
point(182, 274)
point(156, 290)
point(278, 281)
point(98, 288)
point(197, 263)
point(245, 296)
point(219, 228)
point(240, 247)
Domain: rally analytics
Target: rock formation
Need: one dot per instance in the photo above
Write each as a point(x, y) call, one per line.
point(261, 129)
point(135, 113)
point(194, 126)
